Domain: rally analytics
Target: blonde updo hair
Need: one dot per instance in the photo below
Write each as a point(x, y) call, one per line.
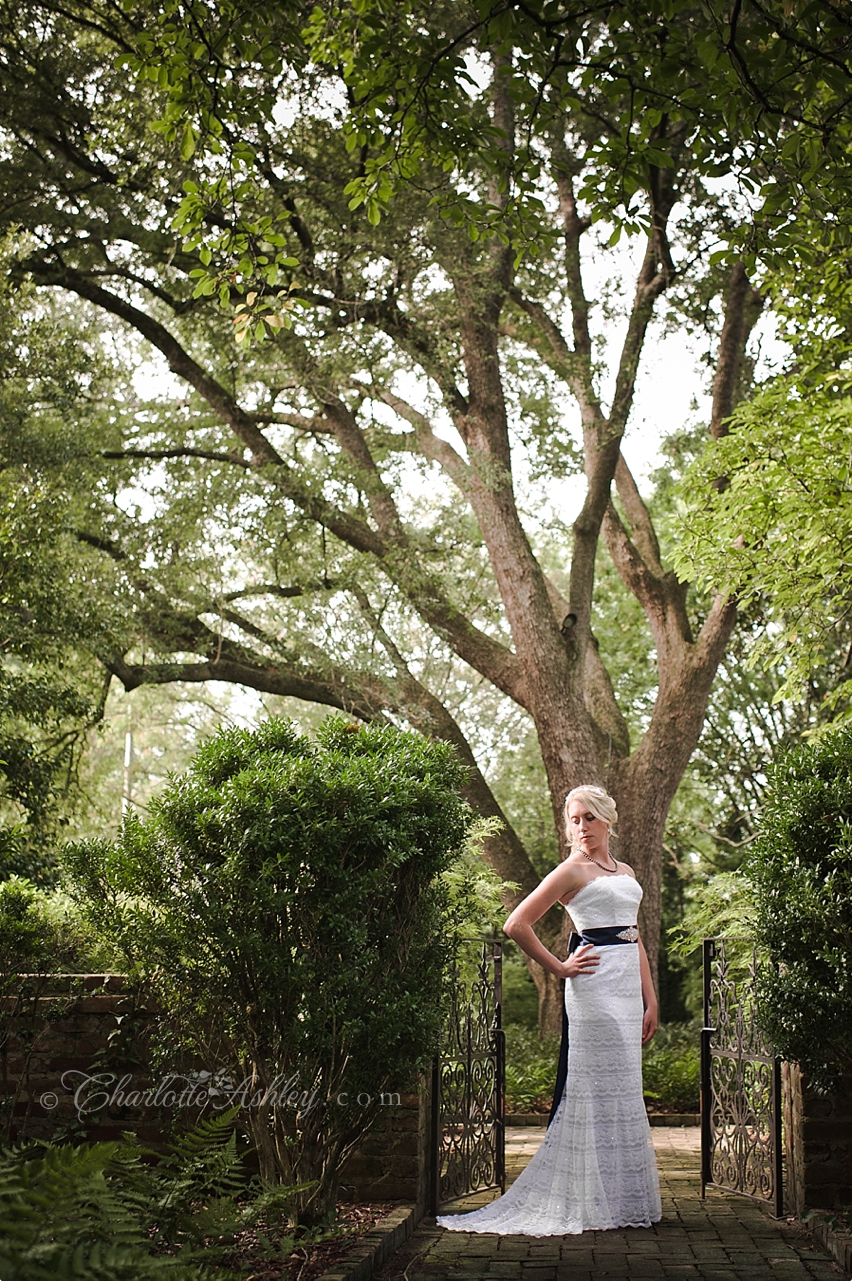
point(597, 801)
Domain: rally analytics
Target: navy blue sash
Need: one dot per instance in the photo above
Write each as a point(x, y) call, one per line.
point(606, 936)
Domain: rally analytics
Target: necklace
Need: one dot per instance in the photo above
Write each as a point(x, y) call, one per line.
point(611, 870)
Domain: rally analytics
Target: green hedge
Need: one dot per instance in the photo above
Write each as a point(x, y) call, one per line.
point(801, 867)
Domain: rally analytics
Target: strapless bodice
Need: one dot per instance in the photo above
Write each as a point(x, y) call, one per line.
point(606, 900)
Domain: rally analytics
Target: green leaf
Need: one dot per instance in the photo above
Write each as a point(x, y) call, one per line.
point(187, 142)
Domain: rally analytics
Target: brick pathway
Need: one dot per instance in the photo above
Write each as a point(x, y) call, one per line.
point(723, 1238)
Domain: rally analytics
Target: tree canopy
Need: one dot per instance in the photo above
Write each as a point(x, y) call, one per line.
point(759, 90)
point(53, 618)
point(777, 530)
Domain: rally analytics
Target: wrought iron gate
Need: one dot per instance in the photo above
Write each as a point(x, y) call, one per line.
point(468, 1087)
point(740, 1081)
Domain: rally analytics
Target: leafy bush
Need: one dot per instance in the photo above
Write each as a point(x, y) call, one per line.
point(723, 906)
point(104, 1213)
point(474, 892)
point(530, 1069)
point(671, 1068)
point(285, 902)
point(38, 932)
point(802, 871)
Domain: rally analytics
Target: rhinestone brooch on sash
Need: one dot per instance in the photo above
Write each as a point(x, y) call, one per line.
point(630, 935)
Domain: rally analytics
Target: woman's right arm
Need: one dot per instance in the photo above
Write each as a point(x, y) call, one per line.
point(519, 926)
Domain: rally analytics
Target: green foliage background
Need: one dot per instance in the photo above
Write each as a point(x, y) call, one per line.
point(777, 527)
point(802, 871)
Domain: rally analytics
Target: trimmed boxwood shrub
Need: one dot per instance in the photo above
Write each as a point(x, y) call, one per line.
point(284, 902)
point(802, 872)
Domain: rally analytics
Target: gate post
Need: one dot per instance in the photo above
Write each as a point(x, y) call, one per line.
point(778, 1148)
point(435, 1139)
point(819, 1143)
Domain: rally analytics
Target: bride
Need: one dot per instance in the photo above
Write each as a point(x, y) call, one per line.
point(596, 1166)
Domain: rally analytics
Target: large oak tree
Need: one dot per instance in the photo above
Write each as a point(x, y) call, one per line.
point(338, 512)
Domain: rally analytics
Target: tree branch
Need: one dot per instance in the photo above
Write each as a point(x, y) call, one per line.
point(682, 700)
point(657, 272)
point(643, 532)
point(107, 545)
point(650, 284)
point(428, 714)
point(270, 679)
point(487, 656)
point(560, 357)
point(503, 118)
point(275, 589)
point(662, 597)
point(314, 426)
point(601, 703)
point(384, 314)
point(742, 309)
point(423, 592)
point(211, 455)
point(715, 632)
point(429, 445)
point(600, 469)
point(174, 630)
point(564, 168)
point(351, 441)
point(179, 360)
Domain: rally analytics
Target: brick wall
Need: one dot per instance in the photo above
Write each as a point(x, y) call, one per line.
point(392, 1163)
point(818, 1140)
point(81, 1025)
point(76, 1026)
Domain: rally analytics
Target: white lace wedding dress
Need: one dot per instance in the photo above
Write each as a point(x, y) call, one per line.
point(596, 1166)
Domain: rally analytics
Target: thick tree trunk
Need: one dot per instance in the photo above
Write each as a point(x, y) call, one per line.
point(642, 812)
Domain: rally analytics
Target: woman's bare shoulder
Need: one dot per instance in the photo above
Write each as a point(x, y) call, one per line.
point(575, 878)
point(626, 869)
point(567, 876)
point(558, 885)
point(562, 881)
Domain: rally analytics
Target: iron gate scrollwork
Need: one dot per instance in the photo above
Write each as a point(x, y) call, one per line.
point(468, 1086)
point(741, 1147)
